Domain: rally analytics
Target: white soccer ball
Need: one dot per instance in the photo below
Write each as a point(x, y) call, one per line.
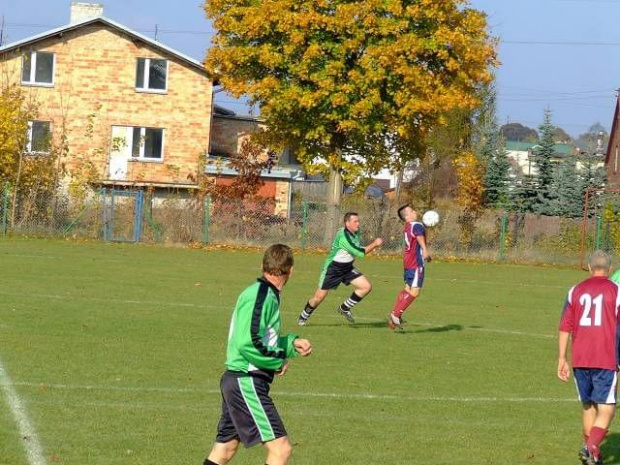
point(430, 218)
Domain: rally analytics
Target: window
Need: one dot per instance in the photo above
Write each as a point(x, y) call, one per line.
point(39, 137)
point(38, 68)
point(151, 75)
point(147, 143)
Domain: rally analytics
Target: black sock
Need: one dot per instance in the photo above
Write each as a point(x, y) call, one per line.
point(307, 311)
point(209, 462)
point(348, 304)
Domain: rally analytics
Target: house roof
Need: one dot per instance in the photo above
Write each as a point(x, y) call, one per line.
point(112, 24)
point(614, 128)
point(560, 149)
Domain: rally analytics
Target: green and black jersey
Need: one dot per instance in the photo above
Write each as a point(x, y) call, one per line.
point(346, 247)
point(254, 342)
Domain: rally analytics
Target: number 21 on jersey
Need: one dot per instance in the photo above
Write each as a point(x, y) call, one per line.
point(587, 302)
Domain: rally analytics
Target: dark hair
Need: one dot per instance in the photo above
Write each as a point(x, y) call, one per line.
point(278, 260)
point(348, 215)
point(401, 209)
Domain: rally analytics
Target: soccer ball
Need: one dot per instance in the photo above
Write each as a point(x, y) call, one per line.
point(430, 218)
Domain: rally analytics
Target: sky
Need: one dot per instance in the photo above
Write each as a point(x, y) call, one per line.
point(555, 54)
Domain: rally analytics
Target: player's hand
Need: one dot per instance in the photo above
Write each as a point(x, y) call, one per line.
point(282, 371)
point(378, 242)
point(428, 258)
point(302, 347)
point(563, 369)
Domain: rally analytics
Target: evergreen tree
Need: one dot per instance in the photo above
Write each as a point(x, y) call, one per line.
point(542, 159)
point(566, 197)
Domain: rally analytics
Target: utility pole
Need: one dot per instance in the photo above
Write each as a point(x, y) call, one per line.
point(2, 32)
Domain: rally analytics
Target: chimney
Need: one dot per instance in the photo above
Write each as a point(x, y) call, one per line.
point(81, 11)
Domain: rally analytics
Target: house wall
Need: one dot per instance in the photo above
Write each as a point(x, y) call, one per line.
point(613, 160)
point(229, 134)
point(274, 189)
point(94, 89)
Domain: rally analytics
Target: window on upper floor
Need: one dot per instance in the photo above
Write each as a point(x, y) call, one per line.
point(38, 68)
point(39, 137)
point(151, 75)
point(147, 143)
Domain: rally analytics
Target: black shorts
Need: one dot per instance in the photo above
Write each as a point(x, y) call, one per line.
point(248, 413)
point(337, 273)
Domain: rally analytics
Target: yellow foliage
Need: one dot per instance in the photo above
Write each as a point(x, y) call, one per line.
point(470, 175)
point(329, 72)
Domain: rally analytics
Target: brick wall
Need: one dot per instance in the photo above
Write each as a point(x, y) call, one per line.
point(95, 75)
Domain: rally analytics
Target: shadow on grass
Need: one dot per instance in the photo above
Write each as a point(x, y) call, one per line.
point(611, 448)
point(442, 329)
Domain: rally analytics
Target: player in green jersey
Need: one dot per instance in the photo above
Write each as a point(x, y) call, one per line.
point(256, 352)
point(339, 268)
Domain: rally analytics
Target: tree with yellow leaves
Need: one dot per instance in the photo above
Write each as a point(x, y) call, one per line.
point(470, 191)
point(335, 77)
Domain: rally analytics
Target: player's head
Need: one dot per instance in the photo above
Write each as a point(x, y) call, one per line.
point(351, 221)
point(278, 260)
point(599, 263)
point(406, 213)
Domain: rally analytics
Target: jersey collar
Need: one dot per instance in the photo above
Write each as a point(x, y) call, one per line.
point(273, 288)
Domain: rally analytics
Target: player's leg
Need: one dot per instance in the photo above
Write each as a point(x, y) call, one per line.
point(227, 439)
point(222, 452)
point(604, 396)
point(587, 420)
point(330, 278)
point(362, 288)
point(311, 306)
point(414, 279)
point(279, 451)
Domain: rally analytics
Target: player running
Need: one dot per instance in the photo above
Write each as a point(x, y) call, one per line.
point(339, 269)
point(591, 316)
point(415, 254)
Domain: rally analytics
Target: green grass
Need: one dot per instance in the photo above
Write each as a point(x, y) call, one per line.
point(116, 353)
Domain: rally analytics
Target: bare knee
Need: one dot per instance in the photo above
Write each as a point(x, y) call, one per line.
point(414, 291)
point(279, 451)
point(223, 452)
point(364, 290)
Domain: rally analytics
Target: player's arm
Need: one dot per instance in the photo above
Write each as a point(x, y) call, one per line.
point(255, 351)
point(425, 253)
point(563, 367)
point(373, 245)
point(348, 243)
point(566, 327)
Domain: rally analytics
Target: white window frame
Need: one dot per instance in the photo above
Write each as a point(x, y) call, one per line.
point(147, 74)
point(33, 70)
point(29, 141)
point(141, 156)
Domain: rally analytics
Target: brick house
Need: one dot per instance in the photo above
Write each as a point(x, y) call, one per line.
point(612, 158)
point(137, 109)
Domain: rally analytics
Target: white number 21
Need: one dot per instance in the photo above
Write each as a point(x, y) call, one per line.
point(586, 319)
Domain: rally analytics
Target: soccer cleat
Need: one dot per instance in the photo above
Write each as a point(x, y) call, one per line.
point(394, 323)
point(584, 455)
point(346, 313)
point(301, 321)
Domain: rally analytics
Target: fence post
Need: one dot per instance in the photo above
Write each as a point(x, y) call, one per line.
point(206, 224)
point(304, 225)
point(599, 227)
point(5, 207)
point(502, 236)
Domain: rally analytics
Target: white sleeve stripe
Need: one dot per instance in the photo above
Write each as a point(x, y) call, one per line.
point(617, 298)
point(570, 295)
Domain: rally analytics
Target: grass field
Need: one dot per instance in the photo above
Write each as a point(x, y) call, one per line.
point(114, 353)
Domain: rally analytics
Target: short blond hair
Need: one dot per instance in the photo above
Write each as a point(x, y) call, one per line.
point(599, 261)
point(278, 260)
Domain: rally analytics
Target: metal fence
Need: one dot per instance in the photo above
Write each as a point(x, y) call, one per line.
point(182, 218)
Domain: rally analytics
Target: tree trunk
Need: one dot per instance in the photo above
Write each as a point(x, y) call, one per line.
point(334, 196)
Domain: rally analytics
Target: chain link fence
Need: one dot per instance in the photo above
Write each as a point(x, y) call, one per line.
point(185, 218)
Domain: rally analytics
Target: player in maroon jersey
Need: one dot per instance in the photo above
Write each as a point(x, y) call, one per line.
point(414, 256)
point(591, 316)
